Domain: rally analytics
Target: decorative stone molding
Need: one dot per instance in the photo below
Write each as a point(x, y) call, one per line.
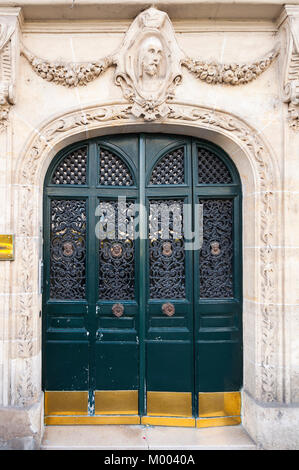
point(8, 62)
point(290, 21)
point(149, 64)
point(67, 74)
point(229, 74)
point(148, 67)
point(244, 136)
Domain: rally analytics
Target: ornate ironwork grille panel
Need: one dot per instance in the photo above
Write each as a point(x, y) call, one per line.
point(68, 249)
point(72, 169)
point(170, 169)
point(117, 251)
point(216, 256)
point(166, 250)
point(211, 170)
point(113, 170)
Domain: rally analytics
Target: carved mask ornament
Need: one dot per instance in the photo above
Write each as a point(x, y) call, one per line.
point(68, 249)
point(149, 64)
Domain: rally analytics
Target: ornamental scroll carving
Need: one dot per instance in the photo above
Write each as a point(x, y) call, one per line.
point(8, 63)
point(148, 67)
point(291, 79)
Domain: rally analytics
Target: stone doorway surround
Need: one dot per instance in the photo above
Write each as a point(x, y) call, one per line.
point(265, 157)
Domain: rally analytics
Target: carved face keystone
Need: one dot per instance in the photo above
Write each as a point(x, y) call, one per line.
point(151, 55)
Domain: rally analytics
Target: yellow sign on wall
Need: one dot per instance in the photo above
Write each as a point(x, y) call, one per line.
point(6, 247)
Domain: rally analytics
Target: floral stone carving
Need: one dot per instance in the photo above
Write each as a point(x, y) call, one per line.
point(291, 79)
point(7, 67)
point(148, 67)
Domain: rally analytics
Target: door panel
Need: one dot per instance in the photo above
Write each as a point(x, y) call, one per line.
point(149, 325)
point(169, 326)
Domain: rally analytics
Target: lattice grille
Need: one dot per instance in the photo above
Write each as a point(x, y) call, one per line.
point(117, 252)
point(113, 170)
point(72, 169)
point(216, 264)
point(68, 249)
point(211, 170)
point(166, 250)
point(170, 170)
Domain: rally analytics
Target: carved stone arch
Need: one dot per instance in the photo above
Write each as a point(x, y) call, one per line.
point(259, 174)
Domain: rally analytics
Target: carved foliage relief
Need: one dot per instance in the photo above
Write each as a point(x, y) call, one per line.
point(7, 68)
point(291, 79)
point(148, 67)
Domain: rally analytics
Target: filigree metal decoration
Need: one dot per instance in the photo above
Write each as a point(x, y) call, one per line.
point(216, 269)
point(166, 273)
point(148, 67)
point(168, 309)
point(118, 310)
point(117, 256)
point(68, 250)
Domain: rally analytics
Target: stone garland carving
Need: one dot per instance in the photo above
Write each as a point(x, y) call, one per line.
point(67, 74)
point(291, 82)
point(148, 67)
point(232, 74)
point(247, 138)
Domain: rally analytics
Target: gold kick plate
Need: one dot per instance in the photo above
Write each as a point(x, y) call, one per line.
point(163, 408)
point(219, 409)
point(116, 402)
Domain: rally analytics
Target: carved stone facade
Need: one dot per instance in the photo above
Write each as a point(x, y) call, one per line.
point(134, 75)
point(9, 58)
point(290, 22)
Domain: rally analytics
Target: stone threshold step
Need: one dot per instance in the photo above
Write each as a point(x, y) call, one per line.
point(138, 437)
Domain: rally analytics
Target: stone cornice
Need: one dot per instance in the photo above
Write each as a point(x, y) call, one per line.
point(122, 9)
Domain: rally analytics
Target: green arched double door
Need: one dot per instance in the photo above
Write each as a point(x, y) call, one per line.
point(142, 298)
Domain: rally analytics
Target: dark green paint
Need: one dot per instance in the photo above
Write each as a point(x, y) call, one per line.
point(199, 349)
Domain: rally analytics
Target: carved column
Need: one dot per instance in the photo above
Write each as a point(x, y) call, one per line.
point(289, 28)
point(289, 23)
point(9, 55)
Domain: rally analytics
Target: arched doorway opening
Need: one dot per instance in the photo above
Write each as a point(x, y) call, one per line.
point(142, 299)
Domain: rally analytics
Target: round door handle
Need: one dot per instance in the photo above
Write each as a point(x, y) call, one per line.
point(118, 310)
point(168, 309)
